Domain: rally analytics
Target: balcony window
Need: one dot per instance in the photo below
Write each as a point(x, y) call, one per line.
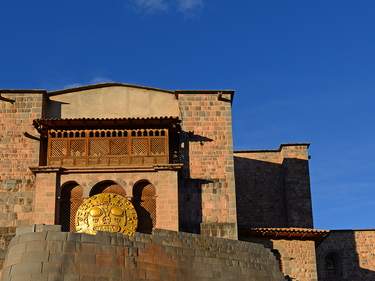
point(133, 147)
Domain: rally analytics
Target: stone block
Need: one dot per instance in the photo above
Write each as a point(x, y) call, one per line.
point(55, 235)
point(69, 247)
point(25, 229)
point(39, 277)
point(26, 268)
point(73, 236)
point(47, 227)
point(34, 236)
point(35, 256)
point(52, 267)
point(71, 277)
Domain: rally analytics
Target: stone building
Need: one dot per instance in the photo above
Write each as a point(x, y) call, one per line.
point(170, 152)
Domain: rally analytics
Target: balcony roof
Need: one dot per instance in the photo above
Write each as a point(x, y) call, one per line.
point(105, 123)
point(294, 233)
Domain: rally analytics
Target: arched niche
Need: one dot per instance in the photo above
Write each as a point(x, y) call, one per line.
point(107, 186)
point(144, 201)
point(71, 198)
point(332, 264)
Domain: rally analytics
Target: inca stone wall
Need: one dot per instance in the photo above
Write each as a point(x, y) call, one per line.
point(17, 154)
point(6, 234)
point(207, 188)
point(296, 257)
point(44, 253)
point(273, 187)
point(347, 255)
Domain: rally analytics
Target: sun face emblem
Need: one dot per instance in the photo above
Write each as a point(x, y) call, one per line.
point(106, 212)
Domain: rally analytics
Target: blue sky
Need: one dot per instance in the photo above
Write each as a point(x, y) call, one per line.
point(303, 72)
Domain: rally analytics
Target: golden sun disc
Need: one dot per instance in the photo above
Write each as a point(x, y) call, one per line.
point(106, 212)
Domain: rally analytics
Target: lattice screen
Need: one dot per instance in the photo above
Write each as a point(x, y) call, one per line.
point(139, 146)
point(71, 199)
point(76, 199)
point(148, 201)
point(58, 148)
point(157, 146)
point(119, 146)
point(77, 148)
point(99, 147)
point(108, 147)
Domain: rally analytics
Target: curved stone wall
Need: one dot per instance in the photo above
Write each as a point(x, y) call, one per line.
point(45, 253)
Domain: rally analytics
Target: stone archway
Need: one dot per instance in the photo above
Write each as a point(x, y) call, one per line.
point(107, 186)
point(71, 199)
point(144, 201)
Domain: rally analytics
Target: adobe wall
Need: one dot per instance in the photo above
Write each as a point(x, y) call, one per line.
point(355, 255)
point(112, 102)
point(165, 255)
point(17, 154)
point(297, 257)
point(273, 187)
point(165, 182)
point(207, 188)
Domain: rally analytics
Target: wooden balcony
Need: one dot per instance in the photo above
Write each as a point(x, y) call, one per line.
point(115, 147)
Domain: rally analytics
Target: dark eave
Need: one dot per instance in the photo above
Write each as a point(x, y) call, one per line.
point(272, 150)
point(219, 93)
point(104, 123)
point(207, 92)
point(22, 91)
point(353, 230)
point(285, 233)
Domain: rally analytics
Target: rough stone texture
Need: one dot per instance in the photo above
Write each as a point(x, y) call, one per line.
point(296, 257)
point(165, 183)
point(273, 187)
point(207, 187)
point(354, 251)
point(165, 255)
point(17, 154)
point(6, 234)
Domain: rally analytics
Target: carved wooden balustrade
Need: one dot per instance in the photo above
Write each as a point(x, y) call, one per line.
point(140, 147)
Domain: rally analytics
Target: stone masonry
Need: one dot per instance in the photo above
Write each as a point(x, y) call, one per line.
point(44, 253)
point(208, 146)
point(273, 187)
point(353, 253)
point(296, 257)
point(17, 154)
point(6, 234)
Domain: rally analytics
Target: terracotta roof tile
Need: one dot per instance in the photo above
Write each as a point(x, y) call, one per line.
point(285, 233)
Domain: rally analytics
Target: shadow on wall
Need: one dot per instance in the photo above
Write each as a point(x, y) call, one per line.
point(259, 193)
point(70, 200)
point(269, 194)
point(107, 186)
point(145, 205)
point(267, 243)
point(190, 189)
point(342, 255)
point(54, 109)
